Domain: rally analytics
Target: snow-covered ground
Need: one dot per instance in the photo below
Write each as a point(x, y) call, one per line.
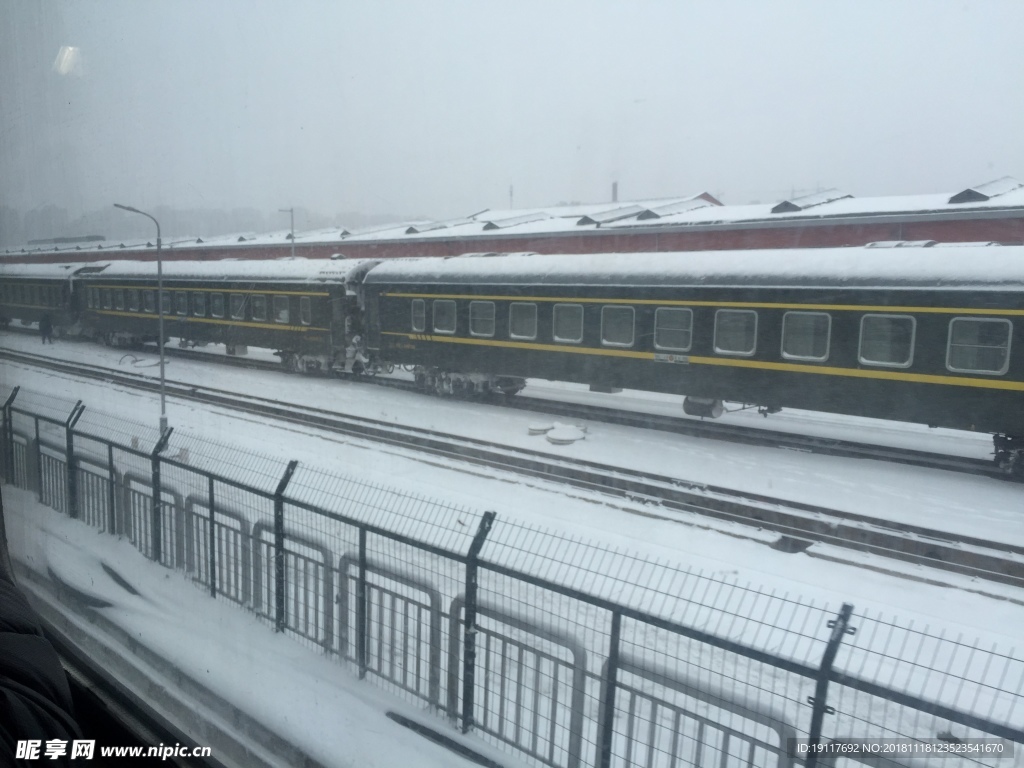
point(823, 575)
point(972, 506)
point(300, 695)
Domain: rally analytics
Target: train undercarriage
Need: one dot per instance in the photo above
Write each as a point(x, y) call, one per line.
point(1009, 454)
point(465, 384)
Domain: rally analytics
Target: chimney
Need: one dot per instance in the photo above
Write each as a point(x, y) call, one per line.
point(615, 191)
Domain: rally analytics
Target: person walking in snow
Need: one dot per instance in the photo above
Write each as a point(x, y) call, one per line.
point(46, 329)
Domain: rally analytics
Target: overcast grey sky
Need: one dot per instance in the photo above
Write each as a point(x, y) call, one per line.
point(435, 108)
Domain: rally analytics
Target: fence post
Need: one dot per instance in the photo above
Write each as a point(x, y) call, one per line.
point(157, 511)
point(279, 613)
point(819, 701)
point(469, 657)
point(111, 491)
point(362, 605)
point(39, 461)
point(608, 686)
point(69, 452)
point(212, 543)
point(9, 436)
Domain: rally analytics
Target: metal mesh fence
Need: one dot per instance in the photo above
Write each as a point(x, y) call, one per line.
point(565, 652)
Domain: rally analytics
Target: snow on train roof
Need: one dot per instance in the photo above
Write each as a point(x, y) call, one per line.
point(47, 271)
point(975, 266)
point(287, 269)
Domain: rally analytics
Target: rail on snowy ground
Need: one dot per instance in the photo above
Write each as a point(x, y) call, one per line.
point(563, 652)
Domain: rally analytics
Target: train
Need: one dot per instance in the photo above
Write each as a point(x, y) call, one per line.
point(922, 335)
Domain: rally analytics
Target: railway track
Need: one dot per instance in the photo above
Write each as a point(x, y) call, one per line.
point(797, 525)
point(765, 438)
point(734, 433)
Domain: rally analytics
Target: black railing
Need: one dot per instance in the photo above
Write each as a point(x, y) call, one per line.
point(518, 635)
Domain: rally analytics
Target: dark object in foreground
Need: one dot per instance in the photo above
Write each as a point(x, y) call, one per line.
point(35, 699)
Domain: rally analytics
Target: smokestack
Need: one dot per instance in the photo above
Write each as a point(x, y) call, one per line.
point(615, 191)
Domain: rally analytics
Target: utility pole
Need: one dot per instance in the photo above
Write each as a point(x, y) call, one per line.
point(160, 313)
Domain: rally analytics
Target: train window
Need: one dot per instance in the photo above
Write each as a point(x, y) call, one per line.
point(237, 302)
point(119, 299)
point(887, 340)
point(735, 332)
point(199, 304)
point(419, 315)
point(305, 310)
point(522, 320)
point(216, 305)
point(36, 299)
point(673, 329)
point(93, 297)
point(978, 345)
point(444, 316)
point(133, 300)
point(258, 305)
point(567, 323)
point(181, 302)
point(481, 318)
point(108, 298)
point(281, 313)
point(617, 326)
point(805, 335)
point(165, 302)
point(149, 301)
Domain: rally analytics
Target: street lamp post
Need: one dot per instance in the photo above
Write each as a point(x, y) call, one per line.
point(159, 312)
point(291, 212)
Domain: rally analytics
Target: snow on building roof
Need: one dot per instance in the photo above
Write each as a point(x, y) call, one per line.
point(809, 201)
point(678, 206)
point(701, 210)
point(969, 268)
point(615, 213)
point(902, 244)
point(430, 226)
point(512, 221)
point(986, 191)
